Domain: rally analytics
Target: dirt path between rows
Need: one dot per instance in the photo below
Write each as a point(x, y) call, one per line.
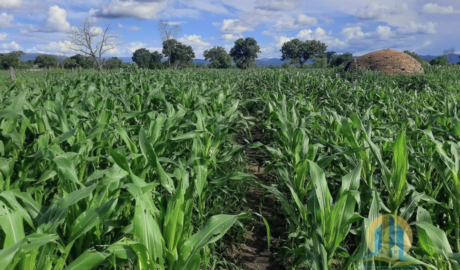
point(254, 254)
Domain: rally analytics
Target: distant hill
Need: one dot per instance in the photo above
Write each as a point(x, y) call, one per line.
point(262, 62)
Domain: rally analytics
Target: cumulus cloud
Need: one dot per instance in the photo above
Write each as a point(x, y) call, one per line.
point(413, 28)
point(139, 9)
point(233, 26)
point(376, 11)
point(231, 37)
point(301, 21)
point(10, 4)
point(206, 5)
point(321, 35)
point(55, 47)
point(277, 5)
point(5, 20)
point(56, 21)
point(12, 46)
point(194, 41)
point(433, 8)
point(3, 36)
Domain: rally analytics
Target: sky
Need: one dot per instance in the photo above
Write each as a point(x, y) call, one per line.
point(356, 26)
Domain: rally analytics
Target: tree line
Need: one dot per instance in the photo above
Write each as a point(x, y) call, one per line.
point(91, 43)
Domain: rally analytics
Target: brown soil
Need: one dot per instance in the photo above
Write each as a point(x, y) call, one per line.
point(254, 254)
point(387, 61)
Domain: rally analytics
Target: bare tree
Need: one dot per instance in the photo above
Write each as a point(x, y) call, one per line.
point(449, 53)
point(168, 31)
point(92, 41)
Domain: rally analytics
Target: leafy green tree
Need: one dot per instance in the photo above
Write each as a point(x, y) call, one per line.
point(12, 59)
point(244, 52)
point(218, 57)
point(330, 55)
point(341, 59)
point(142, 58)
point(179, 54)
point(69, 63)
point(84, 62)
point(287, 64)
point(301, 51)
point(320, 62)
point(113, 63)
point(440, 61)
point(156, 60)
point(44, 61)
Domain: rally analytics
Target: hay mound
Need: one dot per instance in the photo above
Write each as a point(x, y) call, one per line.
point(387, 61)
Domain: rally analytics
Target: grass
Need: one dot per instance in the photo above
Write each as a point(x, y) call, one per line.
point(142, 170)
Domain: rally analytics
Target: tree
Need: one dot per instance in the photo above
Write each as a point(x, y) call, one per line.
point(156, 60)
point(338, 60)
point(92, 41)
point(301, 51)
point(244, 52)
point(449, 53)
point(142, 58)
point(287, 64)
point(84, 62)
point(178, 53)
point(69, 63)
point(113, 63)
point(440, 61)
point(168, 31)
point(218, 57)
point(330, 55)
point(320, 62)
point(44, 61)
point(12, 59)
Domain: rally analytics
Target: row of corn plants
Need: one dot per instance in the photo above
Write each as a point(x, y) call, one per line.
point(141, 170)
point(113, 171)
point(347, 151)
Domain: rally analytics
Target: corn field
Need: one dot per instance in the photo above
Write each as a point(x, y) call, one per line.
point(149, 169)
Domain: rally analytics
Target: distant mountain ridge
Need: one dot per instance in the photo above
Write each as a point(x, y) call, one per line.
point(262, 62)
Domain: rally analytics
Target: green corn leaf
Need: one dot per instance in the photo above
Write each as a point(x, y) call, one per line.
point(87, 260)
point(214, 229)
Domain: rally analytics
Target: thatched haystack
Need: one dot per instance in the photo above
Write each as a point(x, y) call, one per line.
point(387, 61)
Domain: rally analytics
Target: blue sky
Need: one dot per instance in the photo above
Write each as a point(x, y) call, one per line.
point(357, 26)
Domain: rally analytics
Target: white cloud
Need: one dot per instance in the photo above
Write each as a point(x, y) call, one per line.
point(353, 32)
point(376, 11)
point(5, 20)
point(9, 4)
point(301, 21)
point(206, 5)
point(231, 26)
point(57, 20)
point(231, 37)
point(431, 8)
point(194, 41)
point(277, 5)
point(8, 47)
point(384, 32)
point(55, 47)
point(3, 36)
point(139, 9)
point(417, 28)
point(321, 35)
